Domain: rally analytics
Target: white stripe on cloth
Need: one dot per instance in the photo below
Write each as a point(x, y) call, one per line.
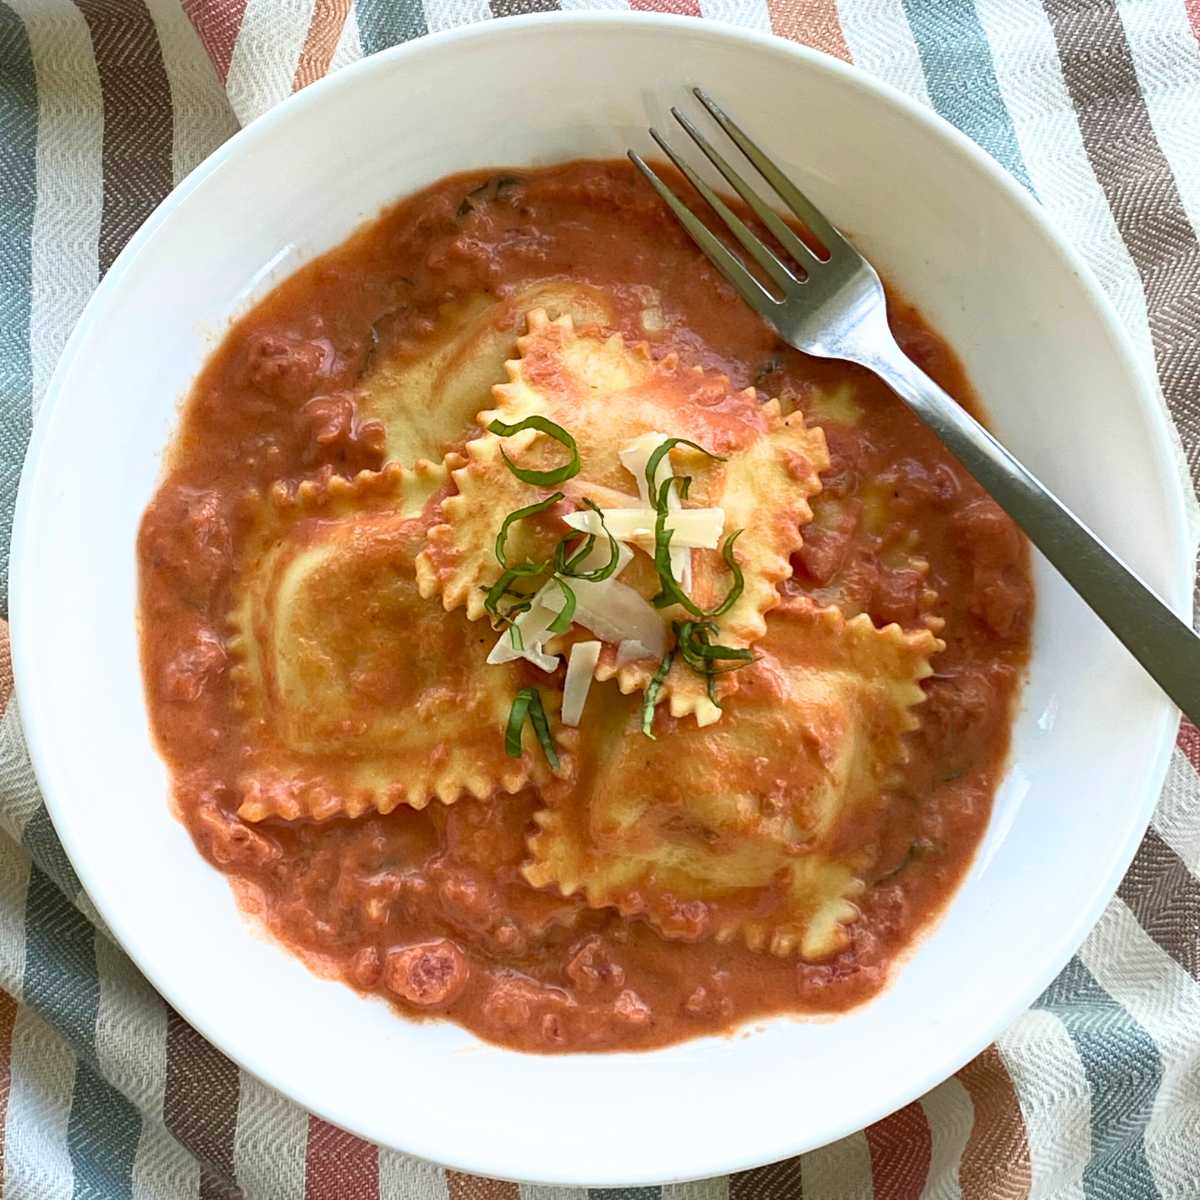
point(1177, 818)
point(162, 1168)
point(698, 1189)
point(14, 887)
point(750, 14)
point(1166, 56)
point(449, 14)
point(349, 44)
point(880, 40)
point(1029, 73)
point(269, 1142)
point(19, 795)
point(405, 1178)
point(37, 1163)
point(200, 112)
point(951, 1115)
point(839, 1171)
point(1052, 1090)
point(589, 5)
point(70, 178)
point(265, 55)
point(1165, 1001)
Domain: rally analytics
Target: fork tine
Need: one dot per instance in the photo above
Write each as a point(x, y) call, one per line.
point(795, 199)
point(762, 253)
point(771, 219)
point(713, 248)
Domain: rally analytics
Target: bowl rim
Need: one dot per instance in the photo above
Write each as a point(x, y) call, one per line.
point(1161, 443)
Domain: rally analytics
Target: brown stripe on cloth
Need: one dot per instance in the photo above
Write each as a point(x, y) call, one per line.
point(217, 23)
point(995, 1163)
point(200, 1105)
point(137, 118)
point(517, 8)
point(812, 22)
point(476, 1187)
point(8, 1018)
point(338, 1165)
point(775, 1181)
point(901, 1147)
point(1141, 191)
point(1165, 897)
point(329, 16)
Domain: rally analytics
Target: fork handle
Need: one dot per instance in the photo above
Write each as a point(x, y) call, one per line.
point(1167, 647)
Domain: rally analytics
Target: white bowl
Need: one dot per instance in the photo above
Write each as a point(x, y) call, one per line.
point(941, 220)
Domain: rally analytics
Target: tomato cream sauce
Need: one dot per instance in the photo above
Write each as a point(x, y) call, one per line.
point(428, 908)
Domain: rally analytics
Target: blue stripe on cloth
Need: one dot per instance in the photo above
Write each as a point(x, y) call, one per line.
point(62, 984)
point(961, 79)
point(1124, 1070)
point(47, 852)
point(18, 195)
point(384, 23)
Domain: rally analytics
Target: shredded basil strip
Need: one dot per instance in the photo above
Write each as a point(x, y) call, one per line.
point(520, 514)
point(664, 448)
point(540, 478)
point(528, 703)
point(541, 727)
point(503, 586)
point(739, 581)
point(597, 574)
point(514, 636)
point(650, 699)
point(516, 721)
point(562, 622)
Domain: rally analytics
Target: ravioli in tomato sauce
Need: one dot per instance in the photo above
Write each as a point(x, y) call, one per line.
point(538, 643)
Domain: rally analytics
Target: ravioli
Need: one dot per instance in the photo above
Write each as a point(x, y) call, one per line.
point(359, 695)
point(859, 545)
point(606, 394)
point(747, 828)
point(427, 395)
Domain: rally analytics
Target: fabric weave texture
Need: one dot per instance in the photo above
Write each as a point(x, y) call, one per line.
point(105, 1093)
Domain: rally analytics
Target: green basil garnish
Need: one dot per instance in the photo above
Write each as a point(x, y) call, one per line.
point(569, 566)
point(519, 514)
point(540, 478)
point(650, 699)
point(562, 622)
point(528, 704)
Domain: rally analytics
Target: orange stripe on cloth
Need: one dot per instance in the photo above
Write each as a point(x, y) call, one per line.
point(811, 22)
point(1193, 12)
point(477, 1187)
point(329, 16)
point(217, 24)
point(6, 675)
point(995, 1163)
point(338, 1165)
point(681, 8)
point(781, 1180)
point(900, 1148)
point(8, 1017)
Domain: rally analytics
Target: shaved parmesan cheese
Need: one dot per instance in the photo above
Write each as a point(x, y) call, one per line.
point(616, 612)
point(697, 528)
point(600, 553)
point(534, 629)
point(636, 454)
point(580, 668)
point(634, 457)
point(630, 651)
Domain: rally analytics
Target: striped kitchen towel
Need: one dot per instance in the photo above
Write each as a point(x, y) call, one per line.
point(1094, 105)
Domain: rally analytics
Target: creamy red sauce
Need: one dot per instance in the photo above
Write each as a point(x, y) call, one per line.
point(428, 908)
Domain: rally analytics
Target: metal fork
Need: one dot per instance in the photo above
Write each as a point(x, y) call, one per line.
point(834, 307)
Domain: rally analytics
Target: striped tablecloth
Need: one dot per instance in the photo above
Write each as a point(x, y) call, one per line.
point(1094, 105)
